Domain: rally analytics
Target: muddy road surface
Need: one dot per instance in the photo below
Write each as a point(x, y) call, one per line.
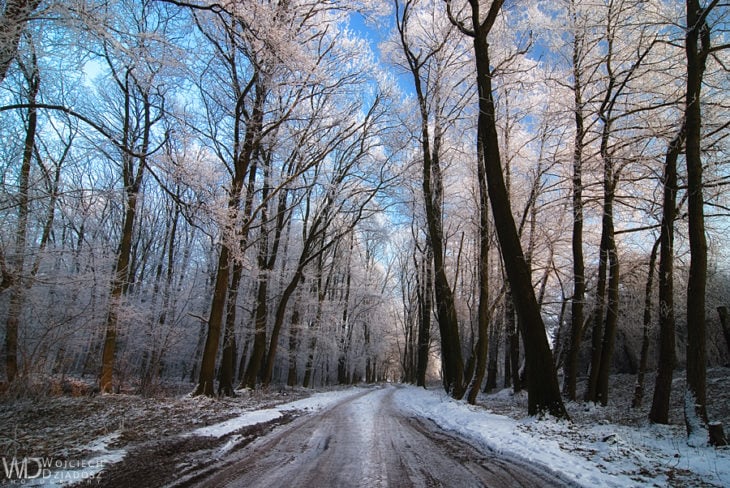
point(364, 441)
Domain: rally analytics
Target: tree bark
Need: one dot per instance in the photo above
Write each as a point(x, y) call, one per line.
point(132, 179)
point(17, 297)
point(659, 412)
point(16, 15)
point(725, 323)
point(215, 320)
point(452, 362)
point(570, 368)
point(543, 388)
point(648, 304)
point(482, 347)
point(697, 48)
point(226, 371)
point(425, 310)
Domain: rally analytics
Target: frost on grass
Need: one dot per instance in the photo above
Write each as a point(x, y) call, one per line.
point(64, 427)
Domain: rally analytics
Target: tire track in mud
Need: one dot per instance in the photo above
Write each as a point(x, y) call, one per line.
point(180, 459)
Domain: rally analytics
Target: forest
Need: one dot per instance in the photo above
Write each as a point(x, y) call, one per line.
point(481, 193)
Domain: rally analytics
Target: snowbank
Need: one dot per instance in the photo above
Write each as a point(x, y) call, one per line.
point(590, 455)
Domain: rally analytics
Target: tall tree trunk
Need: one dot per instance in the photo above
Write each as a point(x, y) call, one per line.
point(514, 341)
point(346, 327)
point(425, 294)
point(697, 48)
point(132, 184)
point(659, 412)
point(259, 339)
point(570, 368)
point(597, 329)
point(309, 364)
point(493, 361)
point(543, 388)
point(609, 331)
point(482, 347)
point(119, 286)
point(276, 330)
point(648, 304)
point(15, 305)
point(322, 285)
point(722, 312)
point(291, 378)
point(452, 363)
point(242, 163)
point(215, 320)
point(604, 326)
point(227, 368)
point(153, 369)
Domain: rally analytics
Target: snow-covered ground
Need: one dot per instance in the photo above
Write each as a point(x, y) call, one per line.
point(600, 446)
point(603, 454)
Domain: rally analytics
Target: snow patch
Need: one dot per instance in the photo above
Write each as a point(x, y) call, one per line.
point(316, 402)
point(604, 454)
point(58, 472)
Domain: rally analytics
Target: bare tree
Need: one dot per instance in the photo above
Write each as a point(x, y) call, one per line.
point(667, 356)
point(418, 60)
point(543, 389)
point(698, 49)
point(142, 106)
point(31, 74)
point(579, 287)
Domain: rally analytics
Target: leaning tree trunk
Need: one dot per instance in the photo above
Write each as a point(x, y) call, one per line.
point(543, 388)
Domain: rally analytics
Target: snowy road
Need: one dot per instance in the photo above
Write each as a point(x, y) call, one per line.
point(366, 441)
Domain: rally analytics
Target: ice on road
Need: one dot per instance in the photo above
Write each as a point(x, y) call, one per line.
point(367, 441)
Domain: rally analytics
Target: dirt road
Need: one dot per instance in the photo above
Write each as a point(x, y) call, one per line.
point(366, 441)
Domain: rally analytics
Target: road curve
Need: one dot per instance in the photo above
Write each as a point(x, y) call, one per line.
point(366, 441)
